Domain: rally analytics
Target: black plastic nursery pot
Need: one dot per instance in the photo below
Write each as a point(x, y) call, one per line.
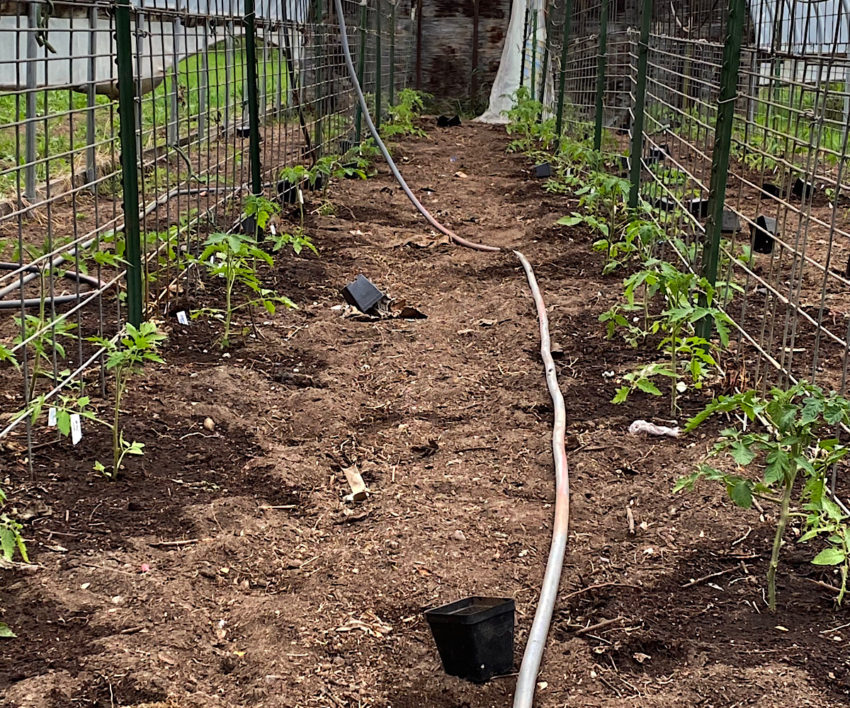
point(730, 223)
point(287, 191)
point(319, 183)
point(249, 226)
point(763, 232)
point(542, 171)
point(475, 637)
point(802, 189)
point(660, 153)
point(770, 189)
point(698, 207)
point(665, 203)
point(362, 294)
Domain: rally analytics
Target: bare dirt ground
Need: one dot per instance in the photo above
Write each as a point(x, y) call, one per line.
point(266, 588)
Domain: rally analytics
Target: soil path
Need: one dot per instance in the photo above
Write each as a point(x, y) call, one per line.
point(266, 588)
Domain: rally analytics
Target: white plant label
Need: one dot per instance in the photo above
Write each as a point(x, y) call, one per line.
point(181, 318)
point(51, 418)
point(76, 428)
point(273, 229)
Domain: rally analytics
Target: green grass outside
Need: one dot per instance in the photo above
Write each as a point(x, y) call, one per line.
point(61, 122)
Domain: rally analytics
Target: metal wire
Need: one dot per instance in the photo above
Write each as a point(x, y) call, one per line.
point(60, 169)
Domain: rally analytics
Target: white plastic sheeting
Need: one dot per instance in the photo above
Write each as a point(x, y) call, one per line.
point(508, 76)
point(163, 38)
point(801, 26)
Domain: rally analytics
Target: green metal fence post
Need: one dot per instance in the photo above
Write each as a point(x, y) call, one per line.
point(722, 146)
point(253, 99)
point(361, 69)
point(568, 16)
point(640, 104)
point(378, 65)
point(129, 160)
point(392, 52)
point(601, 79)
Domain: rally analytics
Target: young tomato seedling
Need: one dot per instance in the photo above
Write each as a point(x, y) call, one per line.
point(797, 441)
point(125, 358)
point(233, 257)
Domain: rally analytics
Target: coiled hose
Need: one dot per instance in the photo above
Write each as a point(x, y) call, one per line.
point(527, 679)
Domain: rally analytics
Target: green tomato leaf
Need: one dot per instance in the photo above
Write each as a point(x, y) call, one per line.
point(7, 542)
point(829, 556)
point(5, 632)
point(647, 386)
point(741, 494)
point(741, 453)
point(621, 395)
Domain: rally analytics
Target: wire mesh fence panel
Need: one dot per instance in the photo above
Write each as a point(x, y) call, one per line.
point(782, 260)
point(204, 136)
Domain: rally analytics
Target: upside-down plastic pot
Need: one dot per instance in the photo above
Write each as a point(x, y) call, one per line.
point(475, 637)
point(543, 170)
point(763, 232)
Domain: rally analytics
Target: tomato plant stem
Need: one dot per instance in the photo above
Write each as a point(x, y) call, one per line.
point(777, 539)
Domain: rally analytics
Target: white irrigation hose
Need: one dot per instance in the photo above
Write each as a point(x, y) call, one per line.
point(527, 680)
point(386, 153)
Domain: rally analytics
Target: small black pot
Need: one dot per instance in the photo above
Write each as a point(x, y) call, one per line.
point(319, 184)
point(730, 223)
point(770, 189)
point(287, 192)
point(660, 153)
point(362, 294)
point(664, 203)
point(763, 232)
point(698, 207)
point(475, 637)
point(542, 171)
point(802, 189)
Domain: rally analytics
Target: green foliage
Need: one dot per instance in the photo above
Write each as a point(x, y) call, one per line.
point(685, 299)
point(11, 541)
point(297, 241)
point(125, 358)
point(409, 107)
point(526, 122)
point(64, 407)
point(796, 440)
point(7, 355)
point(43, 336)
point(234, 258)
point(262, 209)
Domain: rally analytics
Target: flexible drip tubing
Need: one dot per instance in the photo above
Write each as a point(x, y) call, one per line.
point(81, 278)
point(60, 258)
point(527, 679)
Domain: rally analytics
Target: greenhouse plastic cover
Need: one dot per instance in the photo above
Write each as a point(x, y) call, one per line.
point(507, 77)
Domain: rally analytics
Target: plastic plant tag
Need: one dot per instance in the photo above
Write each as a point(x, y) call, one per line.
point(76, 428)
point(181, 318)
point(273, 229)
point(51, 417)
